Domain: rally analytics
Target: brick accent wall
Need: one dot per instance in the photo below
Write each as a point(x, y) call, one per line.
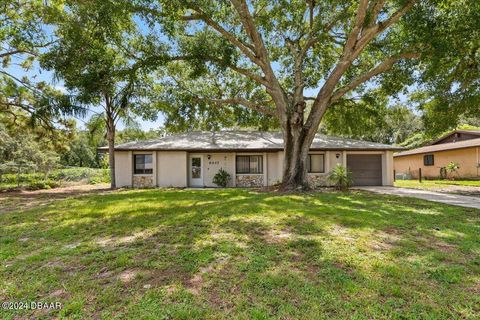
point(143, 181)
point(249, 180)
point(317, 180)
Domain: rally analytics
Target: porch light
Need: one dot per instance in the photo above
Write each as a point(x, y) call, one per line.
point(337, 155)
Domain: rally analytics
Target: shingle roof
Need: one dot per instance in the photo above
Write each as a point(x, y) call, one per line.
point(441, 147)
point(244, 140)
point(472, 132)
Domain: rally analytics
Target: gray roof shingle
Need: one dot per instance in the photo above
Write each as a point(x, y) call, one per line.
point(244, 140)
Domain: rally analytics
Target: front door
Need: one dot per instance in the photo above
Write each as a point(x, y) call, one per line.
point(195, 171)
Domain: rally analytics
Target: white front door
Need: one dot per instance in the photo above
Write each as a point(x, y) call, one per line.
point(196, 171)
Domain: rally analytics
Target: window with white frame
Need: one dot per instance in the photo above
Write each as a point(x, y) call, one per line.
point(142, 164)
point(316, 163)
point(249, 164)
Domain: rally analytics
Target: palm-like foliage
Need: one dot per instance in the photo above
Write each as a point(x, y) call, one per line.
point(340, 177)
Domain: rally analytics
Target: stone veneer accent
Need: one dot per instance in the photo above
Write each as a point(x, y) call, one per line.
point(142, 181)
point(317, 180)
point(248, 181)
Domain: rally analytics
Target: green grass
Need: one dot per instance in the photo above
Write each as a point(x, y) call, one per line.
point(238, 254)
point(56, 178)
point(436, 184)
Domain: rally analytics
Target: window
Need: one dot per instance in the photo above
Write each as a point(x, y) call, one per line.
point(249, 164)
point(428, 160)
point(196, 168)
point(142, 164)
point(316, 163)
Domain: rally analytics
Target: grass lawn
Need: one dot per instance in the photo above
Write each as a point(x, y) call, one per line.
point(56, 178)
point(436, 184)
point(223, 254)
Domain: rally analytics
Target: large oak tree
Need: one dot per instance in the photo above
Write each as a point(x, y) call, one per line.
point(290, 60)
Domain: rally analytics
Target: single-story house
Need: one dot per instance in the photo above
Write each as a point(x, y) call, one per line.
point(251, 158)
point(460, 146)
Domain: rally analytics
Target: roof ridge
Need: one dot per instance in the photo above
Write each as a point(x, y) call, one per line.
point(438, 147)
point(245, 140)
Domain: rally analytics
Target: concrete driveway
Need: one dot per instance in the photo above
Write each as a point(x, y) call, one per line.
point(453, 199)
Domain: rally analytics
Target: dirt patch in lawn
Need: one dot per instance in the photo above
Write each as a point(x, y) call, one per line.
point(196, 283)
point(386, 239)
point(15, 200)
point(278, 236)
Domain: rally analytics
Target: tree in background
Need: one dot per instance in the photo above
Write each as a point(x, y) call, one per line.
point(84, 144)
point(135, 133)
point(21, 41)
point(274, 57)
point(372, 121)
point(96, 56)
point(423, 137)
point(27, 149)
point(450, 91)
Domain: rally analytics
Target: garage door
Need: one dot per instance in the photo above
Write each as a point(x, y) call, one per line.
point(366, 169)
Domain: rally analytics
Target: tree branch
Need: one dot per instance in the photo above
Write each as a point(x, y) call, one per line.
point(248, 73)
point(375, 9)
point(354, 46)
point(373, 31)
point(10, 53)
point(245, 48)
point(274, 88)
point(380, 68)
point(260, 107)
point(357, 28)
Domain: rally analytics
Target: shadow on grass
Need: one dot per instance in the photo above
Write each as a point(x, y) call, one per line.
point(252, 254)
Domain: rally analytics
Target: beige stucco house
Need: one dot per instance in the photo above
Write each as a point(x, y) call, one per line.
point(460, 146)
point(253, 159)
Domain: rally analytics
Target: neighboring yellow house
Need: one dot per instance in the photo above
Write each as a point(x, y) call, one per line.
point(460, 146)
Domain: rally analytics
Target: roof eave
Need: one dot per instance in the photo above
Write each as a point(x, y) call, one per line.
point(103, 149)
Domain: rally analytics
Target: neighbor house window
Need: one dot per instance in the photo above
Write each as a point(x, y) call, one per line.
point(249, 164)
point(428, 160)
point(316, 163)
point(142, 164)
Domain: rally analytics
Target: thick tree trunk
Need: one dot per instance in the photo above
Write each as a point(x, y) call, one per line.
point(111, 149)
point(297, 141)
point(298, 137)
point(294, 164)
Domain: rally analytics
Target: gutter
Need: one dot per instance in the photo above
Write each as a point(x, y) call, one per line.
point(104, 149)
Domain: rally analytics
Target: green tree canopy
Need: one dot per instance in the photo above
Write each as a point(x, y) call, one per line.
point(96, 55)
point(272, 57)
point(449, 90)
point(22, 38)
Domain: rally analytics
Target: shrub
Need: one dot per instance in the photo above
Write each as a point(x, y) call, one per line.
point(221, 178)
point(452, 167)
point(36, 180)
point(37, 186)
point(340, 177)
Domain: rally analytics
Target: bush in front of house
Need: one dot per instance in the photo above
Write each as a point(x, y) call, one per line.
point(340, 177)
point(221, 178)
point(451, 168)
